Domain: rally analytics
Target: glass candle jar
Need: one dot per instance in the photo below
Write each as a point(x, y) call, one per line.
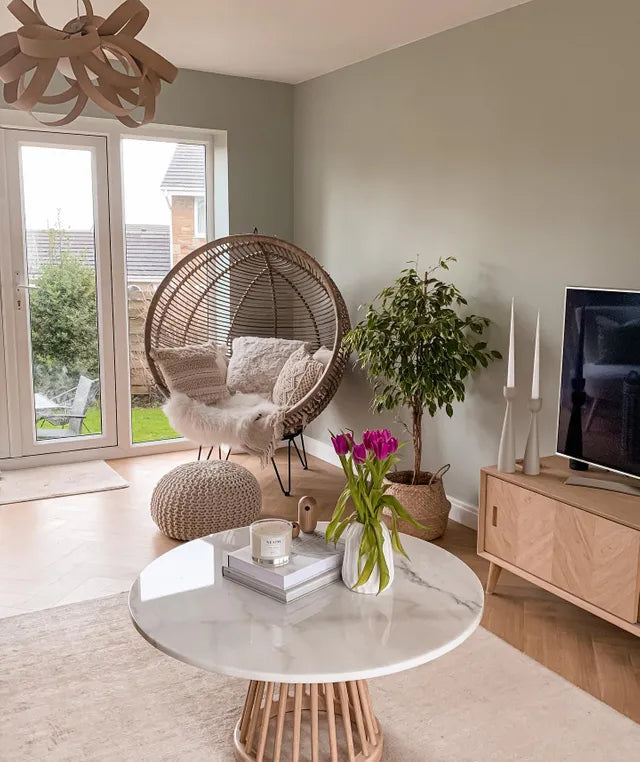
point(271, 541)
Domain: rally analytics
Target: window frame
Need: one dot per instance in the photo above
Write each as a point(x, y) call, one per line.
point(217, 223)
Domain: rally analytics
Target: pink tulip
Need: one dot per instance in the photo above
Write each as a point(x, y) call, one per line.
point(380, 448)
point(359, 453)
point(340, 444)
point(367, 439)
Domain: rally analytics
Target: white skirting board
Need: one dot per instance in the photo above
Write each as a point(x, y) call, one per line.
point(463, 513)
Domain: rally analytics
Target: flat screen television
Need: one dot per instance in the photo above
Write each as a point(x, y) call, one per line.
point(599, 406)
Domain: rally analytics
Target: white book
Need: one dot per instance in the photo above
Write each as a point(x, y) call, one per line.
point(284, 596)
point(311, 556)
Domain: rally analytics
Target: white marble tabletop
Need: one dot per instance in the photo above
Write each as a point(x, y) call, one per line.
point(181, 604)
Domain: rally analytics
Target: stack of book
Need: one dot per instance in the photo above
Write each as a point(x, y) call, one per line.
point(313, 564)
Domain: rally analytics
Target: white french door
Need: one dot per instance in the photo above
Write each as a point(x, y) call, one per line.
point(56, 295)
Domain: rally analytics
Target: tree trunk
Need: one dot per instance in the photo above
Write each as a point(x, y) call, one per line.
point(417, 442)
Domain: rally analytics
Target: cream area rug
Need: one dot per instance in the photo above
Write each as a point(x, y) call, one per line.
point(78, 683)
point(24, 484)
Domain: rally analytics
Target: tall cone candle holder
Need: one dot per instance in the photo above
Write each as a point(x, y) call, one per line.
point(507, 449)
point(531, 461)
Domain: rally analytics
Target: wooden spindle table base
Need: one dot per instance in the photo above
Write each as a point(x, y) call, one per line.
point(260, 732)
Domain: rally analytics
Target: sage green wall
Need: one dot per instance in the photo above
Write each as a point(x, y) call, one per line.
point(512, 143)
point(258, 117)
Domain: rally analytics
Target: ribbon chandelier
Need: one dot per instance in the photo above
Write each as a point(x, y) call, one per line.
point(100, 59)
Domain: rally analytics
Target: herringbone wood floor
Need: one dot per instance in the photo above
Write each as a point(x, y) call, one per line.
point(73, 548)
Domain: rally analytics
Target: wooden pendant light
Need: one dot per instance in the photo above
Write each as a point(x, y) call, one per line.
point(100, 59)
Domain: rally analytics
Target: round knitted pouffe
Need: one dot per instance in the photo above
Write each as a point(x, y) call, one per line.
point(206, 496)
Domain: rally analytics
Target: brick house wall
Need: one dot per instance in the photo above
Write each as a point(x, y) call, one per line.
point(183, 240)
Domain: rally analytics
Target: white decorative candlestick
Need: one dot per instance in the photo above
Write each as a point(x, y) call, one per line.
point(535, 381)
point(511, 363)
point(531, 461)
point(507, 449)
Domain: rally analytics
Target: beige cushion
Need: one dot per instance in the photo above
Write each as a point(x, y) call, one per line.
point(256, 362)
point(297, 378)
point(199, 371)
point(323, 355)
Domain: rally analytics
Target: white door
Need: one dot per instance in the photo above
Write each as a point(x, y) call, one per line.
point(56, 294)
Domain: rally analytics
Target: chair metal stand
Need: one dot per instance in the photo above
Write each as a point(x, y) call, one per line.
point(291, 440)
point(302, 457)
point(211, 450)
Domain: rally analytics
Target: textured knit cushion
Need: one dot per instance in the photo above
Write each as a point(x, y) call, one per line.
point(199, 498)
point(297, 378)
point(256, 362)
point(199, 371)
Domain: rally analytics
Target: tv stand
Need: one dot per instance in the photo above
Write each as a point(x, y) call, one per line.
point(608, 484)
point(581, 543)
point(578, 465)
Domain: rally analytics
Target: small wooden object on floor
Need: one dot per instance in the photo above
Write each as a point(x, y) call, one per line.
point(260, 730)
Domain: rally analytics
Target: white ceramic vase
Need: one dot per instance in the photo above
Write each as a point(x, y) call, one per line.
point(350, 572)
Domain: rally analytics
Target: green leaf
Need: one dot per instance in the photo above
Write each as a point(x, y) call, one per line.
point(382, 562)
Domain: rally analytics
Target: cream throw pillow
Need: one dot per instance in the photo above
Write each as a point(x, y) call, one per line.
point(256, 362)
point(199, 371)
point(323, 355)
point(297, 378)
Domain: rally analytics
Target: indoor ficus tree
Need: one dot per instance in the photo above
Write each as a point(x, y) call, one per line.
point(417, 349)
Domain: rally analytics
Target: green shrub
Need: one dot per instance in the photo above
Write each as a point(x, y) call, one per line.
point(64, 334)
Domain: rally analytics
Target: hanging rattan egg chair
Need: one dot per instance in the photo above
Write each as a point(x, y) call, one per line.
point(253, 285)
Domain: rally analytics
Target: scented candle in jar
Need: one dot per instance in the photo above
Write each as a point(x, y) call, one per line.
point(271, 541)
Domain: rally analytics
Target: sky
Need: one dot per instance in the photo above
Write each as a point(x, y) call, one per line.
point(60, 179)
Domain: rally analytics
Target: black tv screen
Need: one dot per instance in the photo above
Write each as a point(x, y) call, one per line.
point(599, 410)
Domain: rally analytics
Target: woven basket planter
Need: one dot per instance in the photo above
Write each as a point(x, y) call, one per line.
point(426, 502)
point(203, 497)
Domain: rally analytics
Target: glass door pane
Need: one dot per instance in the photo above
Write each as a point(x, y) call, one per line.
point(166, 213)
point(62, 292)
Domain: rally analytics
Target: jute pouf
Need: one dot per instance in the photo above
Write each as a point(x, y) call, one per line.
point(206, 496)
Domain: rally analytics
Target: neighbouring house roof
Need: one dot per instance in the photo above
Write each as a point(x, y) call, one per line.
point(148, 249)
point(186, 170)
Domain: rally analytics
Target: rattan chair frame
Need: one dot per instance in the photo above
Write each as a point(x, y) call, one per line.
point(268, 287)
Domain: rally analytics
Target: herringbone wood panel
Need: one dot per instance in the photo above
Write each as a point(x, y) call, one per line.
point(73, 548)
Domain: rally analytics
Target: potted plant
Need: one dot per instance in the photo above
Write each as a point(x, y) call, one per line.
point(367, 565)
point(418, 351)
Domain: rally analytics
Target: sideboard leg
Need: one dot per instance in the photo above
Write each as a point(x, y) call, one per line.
point(492, 577)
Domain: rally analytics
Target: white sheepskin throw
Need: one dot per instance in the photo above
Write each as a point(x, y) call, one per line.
point(246, 421)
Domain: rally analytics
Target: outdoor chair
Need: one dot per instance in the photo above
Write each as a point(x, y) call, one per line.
point(74, 404)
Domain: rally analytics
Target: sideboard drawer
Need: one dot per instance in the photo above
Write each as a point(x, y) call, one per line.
point(591, 557)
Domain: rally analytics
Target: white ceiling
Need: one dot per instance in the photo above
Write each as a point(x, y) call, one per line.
point(282, 40)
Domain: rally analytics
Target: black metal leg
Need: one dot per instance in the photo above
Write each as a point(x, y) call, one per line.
point(199, 452)
point(285, 492)
point(302, 458)
point(210, 451)
point(228, 453)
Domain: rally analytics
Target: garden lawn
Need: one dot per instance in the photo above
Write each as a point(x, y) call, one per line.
point(148, 424)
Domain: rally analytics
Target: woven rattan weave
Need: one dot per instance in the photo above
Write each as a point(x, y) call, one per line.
point(252, 285)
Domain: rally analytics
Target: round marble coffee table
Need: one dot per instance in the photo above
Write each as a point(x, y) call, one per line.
point(314, 655)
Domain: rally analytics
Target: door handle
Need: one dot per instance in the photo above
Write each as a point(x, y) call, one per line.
point(26, 285)
point(494, 516)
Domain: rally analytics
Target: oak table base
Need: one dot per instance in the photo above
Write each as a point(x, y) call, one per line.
point(268, 704)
